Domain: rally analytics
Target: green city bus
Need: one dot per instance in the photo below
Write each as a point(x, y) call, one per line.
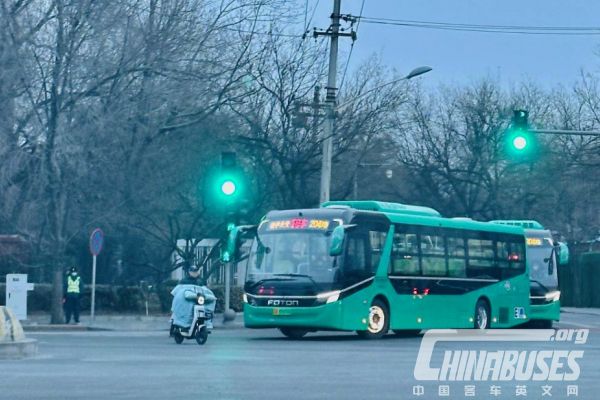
point(544, 255)
point(371, 267)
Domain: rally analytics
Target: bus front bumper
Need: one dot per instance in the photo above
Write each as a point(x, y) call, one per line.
point(327, 316)
point(549, 311)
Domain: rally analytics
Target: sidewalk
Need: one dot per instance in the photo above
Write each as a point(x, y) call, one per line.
point(120, 322)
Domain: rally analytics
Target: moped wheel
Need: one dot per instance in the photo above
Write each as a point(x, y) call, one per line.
point(202, 335)
point(178, 338)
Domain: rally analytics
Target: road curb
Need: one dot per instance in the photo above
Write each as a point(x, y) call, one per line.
point(127, 323)
point(61, 328)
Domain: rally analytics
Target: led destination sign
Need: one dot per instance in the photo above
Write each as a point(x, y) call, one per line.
point(298, 223)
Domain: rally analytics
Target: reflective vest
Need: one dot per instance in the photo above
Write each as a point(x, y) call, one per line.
point(73, 285)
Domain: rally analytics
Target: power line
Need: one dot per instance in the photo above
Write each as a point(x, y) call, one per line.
point(307, 24)
point(587, 28)
point(362, 6)
point(503, 29)
point(273, 34)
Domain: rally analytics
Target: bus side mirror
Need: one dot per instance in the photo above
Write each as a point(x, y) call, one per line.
point(563, 253)
point(337, 241)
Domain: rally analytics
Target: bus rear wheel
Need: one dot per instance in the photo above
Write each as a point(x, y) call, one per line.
point(379, 321)
point(482, 315)
point(293, 333)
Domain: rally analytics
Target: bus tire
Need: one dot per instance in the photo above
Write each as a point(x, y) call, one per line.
point(293, 333)
point(379, 321)
point(482, 318)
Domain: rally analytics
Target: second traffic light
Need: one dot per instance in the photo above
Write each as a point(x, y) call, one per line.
point(230, 179)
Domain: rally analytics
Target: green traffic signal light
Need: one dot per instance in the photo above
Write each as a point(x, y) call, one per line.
point(519, 142)
point(228, 187)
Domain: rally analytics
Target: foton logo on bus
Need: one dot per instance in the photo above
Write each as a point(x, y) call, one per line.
point(283, 303)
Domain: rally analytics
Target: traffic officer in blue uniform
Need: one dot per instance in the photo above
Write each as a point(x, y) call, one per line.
point(73, 287)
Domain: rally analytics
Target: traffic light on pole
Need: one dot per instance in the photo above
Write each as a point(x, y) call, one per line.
point(229, 181)
point(229, 184)
point(520, 143)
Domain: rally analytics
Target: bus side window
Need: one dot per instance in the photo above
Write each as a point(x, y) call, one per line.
point(355, 254)
point(433, 253)
point(457, 263)
point(376, 242)
point(363, 251)
point(502, 256)
point(481, 258)
point(517, 257)
point(404, 259)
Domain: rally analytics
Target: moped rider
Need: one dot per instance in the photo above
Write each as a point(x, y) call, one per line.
point(184, 299)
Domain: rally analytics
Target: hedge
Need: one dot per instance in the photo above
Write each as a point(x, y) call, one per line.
point(122, 299)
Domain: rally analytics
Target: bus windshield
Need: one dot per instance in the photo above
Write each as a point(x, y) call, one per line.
point(542, 262)
point(301, 253)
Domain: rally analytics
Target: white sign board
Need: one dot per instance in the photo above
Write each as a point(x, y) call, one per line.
point(16, 294)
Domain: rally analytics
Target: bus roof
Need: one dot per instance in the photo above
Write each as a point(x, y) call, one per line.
point(409, 214)
point(527, 224)
point(384, 207)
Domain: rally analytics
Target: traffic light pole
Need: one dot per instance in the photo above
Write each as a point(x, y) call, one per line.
point(228, 267)
point(564, 132)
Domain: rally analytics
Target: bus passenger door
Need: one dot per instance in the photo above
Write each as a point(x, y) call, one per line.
point(404, 273)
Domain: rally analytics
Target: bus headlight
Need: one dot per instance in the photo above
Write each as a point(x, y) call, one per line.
point(201, 300)
point(329, 297)
point(553, 296)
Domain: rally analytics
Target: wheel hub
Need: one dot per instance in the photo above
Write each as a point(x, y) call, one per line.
point(376, 319)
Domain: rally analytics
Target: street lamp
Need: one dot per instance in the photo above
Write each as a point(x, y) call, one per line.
point(412, 74)
point(328, 131)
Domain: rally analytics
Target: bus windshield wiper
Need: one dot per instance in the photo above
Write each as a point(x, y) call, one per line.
point(300, 276)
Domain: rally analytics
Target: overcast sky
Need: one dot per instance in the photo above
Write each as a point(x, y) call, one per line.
point(462, 57)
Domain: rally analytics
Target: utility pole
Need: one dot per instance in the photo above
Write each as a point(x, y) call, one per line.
point(316, 107)
point(334, 33)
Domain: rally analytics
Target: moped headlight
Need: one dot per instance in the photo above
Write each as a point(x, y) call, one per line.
point(201, 300)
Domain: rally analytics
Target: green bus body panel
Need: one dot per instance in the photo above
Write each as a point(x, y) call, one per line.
point(550, 311)
point(345, 314)
point(408, 311)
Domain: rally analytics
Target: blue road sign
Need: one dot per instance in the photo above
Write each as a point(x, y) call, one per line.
point(96, 241)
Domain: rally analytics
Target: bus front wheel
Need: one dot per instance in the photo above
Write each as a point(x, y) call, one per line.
point(482, 315)
point(293, 333)
point(379, 321)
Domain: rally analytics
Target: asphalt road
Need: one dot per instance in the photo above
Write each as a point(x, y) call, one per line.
point(249, 364)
